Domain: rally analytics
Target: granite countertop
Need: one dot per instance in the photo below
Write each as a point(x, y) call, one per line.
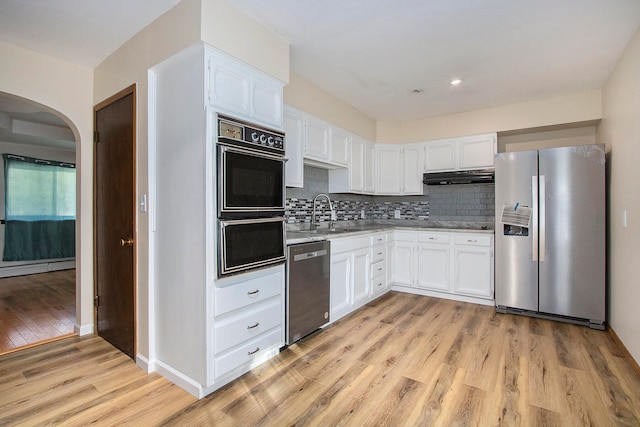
point(300, 233)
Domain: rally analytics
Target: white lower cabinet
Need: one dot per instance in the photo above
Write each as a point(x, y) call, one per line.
point(355, 279)
point(450, 265)
point(473, 261)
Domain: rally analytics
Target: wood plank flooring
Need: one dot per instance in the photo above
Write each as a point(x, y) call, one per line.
point(401, 360)
point(36, 308)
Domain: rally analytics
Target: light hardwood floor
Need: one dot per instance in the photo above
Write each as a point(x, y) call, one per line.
point(401, 360)
point(36, 308)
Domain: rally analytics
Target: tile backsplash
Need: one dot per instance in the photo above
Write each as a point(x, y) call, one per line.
point(466, 202)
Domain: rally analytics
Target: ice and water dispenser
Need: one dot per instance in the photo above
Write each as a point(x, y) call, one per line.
point(516, 220)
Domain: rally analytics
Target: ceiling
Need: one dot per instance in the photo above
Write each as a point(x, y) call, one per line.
point(374, 54)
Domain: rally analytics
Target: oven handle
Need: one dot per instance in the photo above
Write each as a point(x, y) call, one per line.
point(225, 223)
point(249, 152)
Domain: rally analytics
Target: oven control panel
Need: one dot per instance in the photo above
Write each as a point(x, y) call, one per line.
point(248, 135)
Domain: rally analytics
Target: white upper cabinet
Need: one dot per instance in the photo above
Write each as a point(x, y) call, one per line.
point(359, 176)
point(389, 169)
point(339, 147)
point(478, 151)
point(293, 124)
point(440, 156)
point(399, 169)
point(318, 134)
point(471, 152)
point(242, 91)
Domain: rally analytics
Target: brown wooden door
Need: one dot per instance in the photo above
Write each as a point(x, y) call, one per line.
point(114, 150)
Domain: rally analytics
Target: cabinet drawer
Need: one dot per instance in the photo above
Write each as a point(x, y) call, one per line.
point(246, 352)
point(379, 239)
point(348, 244)
point(242, 294)
point(247, 326)
point(433, 238)
point(378, 253)
point(473, 239)
point(378, 269)
point(378, 284)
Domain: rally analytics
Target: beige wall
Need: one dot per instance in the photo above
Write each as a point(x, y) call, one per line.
point(189, 22)
point(547, 139)
point(233, 32)
point(620, 130)
point(64, 89)
point(309, 98)
point(574, 108)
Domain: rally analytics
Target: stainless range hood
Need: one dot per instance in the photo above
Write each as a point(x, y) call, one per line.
point(459, 177)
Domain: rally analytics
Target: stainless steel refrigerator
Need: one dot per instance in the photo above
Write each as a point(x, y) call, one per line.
point(550, 233)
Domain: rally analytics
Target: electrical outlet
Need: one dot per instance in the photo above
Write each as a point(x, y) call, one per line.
point(396, 214)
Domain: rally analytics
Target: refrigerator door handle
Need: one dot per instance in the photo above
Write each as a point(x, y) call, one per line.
point(534, 218)
point(542, 218)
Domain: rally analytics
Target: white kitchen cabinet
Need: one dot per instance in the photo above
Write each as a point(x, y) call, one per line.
point(440, 155)
point(389, 169)
point(370, 171)
point(473, 261)
point(339, 147)
point(341, 273)
point(237, 89)
point(361, 281)
point(200, 339)
point(477, 152)
point(358, 178)
point(412, 168)
point(318, 134)
point(351, 272)
point(434, 261)
point(398, 169)
point(454, 265)
point(463, 153)
point(404, 262)
point(293, 123)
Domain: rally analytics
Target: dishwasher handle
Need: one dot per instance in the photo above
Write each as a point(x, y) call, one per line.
point(309, 255)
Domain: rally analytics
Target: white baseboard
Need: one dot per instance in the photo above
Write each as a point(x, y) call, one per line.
point(82, 330)
point(144, 364)
point(188, 384)
point(45, 267)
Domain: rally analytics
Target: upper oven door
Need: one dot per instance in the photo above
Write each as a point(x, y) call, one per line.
point(250, 183)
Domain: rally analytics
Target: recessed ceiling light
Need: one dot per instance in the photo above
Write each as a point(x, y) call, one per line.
point(417, 90)
point(455, 82)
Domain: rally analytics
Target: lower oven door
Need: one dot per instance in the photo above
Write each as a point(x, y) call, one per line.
point(250, 243)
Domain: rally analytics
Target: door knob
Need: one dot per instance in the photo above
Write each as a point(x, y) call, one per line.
point(126, 242)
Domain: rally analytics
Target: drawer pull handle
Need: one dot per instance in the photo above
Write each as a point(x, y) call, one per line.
point(433, 238)
point(379, 284)
point(380, 269)
point(249, 353)
point(472, 241)
point(253, 292)
point(253, 326)
point(379, 253)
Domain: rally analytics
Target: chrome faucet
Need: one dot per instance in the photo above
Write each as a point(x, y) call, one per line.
point(314, 222)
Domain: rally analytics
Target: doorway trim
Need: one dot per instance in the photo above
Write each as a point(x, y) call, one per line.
point(130, 90)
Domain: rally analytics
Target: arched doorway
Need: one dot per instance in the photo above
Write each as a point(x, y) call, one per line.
point(37, 277)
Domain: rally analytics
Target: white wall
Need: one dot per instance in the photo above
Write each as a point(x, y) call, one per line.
point(64, 89)
point(620, 130)
point(547, 139)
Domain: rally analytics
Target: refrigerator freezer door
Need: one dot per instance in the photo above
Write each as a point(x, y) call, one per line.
point(516, 269)
point(572, 272)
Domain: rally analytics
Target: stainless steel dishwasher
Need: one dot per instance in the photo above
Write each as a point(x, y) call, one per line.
point(308, 277)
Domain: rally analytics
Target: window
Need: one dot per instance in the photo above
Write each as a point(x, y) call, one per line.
point(40, 205)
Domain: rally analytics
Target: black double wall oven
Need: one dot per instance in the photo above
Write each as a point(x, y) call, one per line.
point(250, 196)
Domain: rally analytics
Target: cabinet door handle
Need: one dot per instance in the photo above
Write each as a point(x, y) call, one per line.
point(253, 326)
point(249, 353)
point(472, 241)
point(253, 292)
